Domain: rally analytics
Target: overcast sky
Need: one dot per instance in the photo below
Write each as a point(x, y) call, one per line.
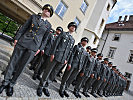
point(122, 8)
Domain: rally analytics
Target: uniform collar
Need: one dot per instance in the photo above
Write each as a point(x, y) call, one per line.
point(44, 19)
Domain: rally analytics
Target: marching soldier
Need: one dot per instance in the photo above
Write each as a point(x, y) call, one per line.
point(30, 39)
point(75, 64)
point(60, 54)
point(46, 54)
point(85, 72)
point(95, 75)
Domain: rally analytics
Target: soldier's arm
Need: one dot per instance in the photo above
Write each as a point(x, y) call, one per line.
point(56, 43)
point(45, 39)
point(72, 55)
point(23, 29)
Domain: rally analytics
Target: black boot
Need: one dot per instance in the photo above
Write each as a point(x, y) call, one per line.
point(76, 94)
point(85, 94)
point(46, 92)
point(34, 77)
point(9, 91)
point(2, 87)
point(39, 91)
point(66, 94)
point(61, 93)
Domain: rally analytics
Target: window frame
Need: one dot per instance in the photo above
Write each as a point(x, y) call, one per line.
point(86, 7)
point(113, 48)
point(64, 4)
point(78, 20)
point(131, 52)
point(115, 37)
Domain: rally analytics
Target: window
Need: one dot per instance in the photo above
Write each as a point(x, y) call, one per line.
point(101, 25)
point(77, 21)
point(84, 6)
point(130, 60)
point(108, 7)
point(111, 52)
point(61, 9)
point(95, 40)
point(116, 37)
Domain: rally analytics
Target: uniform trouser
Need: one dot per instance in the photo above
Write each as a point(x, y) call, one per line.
point(60, 71)
point(21, 57)
point(50, 72)
point(107, 87)
point(100, 90)
point(96, 86)
point(41, 65)
point(88, 84)
point(81, 81)
point(68, 78)
point(35, 61)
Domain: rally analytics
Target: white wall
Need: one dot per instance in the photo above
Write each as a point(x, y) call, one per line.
point(124, 45)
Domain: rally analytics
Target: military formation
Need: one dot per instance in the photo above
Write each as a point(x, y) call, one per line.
point(49, 52)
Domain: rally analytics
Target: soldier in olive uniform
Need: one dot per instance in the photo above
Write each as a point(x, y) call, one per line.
point(85, 72)
point(95, 75)
point(102, 76)
point(46, 53)
point(30, 39)
point(60, 54)
point(75, 64)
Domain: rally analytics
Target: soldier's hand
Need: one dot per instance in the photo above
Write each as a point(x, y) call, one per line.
point(65, 62)
point(98, 78)
point(15, 42)
point(42, 52)
point(37, 52)
point(51, 58)
point(81, 74)
point(104, 79)
point(68, 67)
point(92, 75)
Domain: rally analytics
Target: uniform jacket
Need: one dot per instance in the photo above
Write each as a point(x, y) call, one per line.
point(49, 44)
point(103, 71)
point(62, 47)
point(112, 77)
point(34, 33)
point(96, 70)
point(88, 65)
point(77, 57)
point(108, 73)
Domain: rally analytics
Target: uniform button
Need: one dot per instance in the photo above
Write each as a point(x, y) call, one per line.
point(33, 37)
point(30, 30)
point(35, 33)
point(36, 30)
point(38, 27)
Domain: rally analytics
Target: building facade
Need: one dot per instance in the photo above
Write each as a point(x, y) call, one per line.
point(90, 15)
point(117, 44)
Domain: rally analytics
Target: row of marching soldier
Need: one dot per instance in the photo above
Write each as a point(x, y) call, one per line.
point(49, 52)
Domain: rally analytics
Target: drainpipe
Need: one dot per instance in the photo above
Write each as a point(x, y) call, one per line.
point(105, 41)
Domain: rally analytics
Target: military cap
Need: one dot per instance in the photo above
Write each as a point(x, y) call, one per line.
point(72, 24)
point(113, 66)
point(88, 47)
point(59, 28)
point(85, 39)
point(50, 8)
point(100, 54)
point(94, 50)
point(110, 63)
point(106, 59)
point(51, 31)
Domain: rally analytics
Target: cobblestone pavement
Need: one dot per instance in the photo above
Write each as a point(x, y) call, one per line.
point(25, 89)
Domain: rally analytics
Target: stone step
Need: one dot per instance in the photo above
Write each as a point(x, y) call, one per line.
point(4, 57)
point(6, 50)
point(3, 64)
